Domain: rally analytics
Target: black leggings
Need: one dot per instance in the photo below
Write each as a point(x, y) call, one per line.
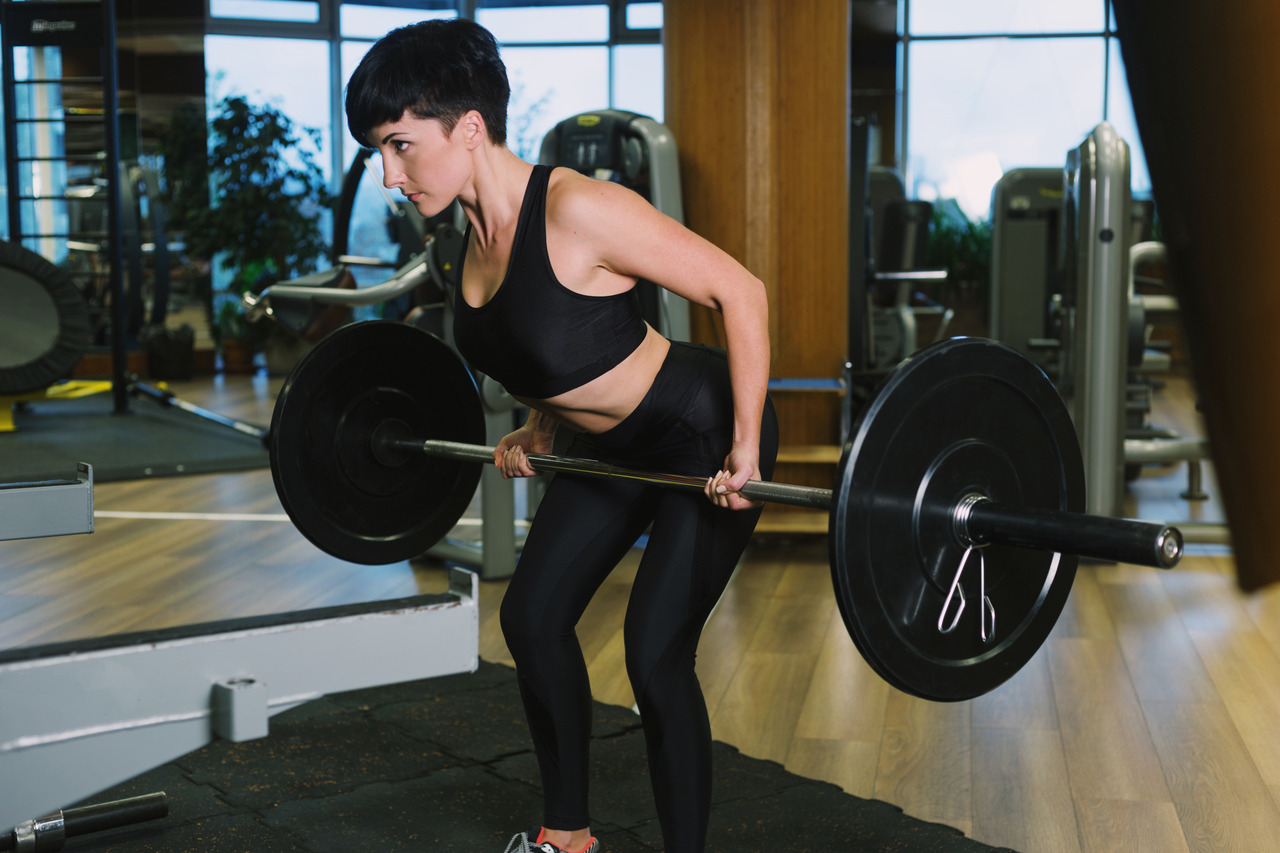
point(582, 529)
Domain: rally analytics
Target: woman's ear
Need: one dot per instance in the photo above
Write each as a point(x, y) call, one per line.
point(473, 128)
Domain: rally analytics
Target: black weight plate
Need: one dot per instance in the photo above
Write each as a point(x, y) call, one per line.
point(349, 502)
point(965, 416)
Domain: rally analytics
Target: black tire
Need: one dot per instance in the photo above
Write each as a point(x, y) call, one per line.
point(44, 327)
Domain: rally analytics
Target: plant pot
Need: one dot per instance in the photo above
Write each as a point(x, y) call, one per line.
point(237, 356)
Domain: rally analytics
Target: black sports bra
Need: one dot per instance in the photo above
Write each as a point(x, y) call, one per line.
point(536, 336)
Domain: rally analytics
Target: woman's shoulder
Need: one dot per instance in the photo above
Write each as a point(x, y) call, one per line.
point(579, 201)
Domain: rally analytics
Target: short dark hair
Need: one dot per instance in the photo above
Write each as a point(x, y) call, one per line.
point(439, 69)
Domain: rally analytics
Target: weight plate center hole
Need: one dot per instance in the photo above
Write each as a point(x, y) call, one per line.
point(386, 442)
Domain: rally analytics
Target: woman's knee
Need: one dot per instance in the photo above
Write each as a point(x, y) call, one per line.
point(517, 624)
point(658, 659)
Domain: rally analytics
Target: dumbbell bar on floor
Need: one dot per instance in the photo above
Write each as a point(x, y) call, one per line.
point(51, 831)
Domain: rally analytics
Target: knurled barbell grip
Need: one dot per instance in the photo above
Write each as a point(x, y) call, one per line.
point(756, 490)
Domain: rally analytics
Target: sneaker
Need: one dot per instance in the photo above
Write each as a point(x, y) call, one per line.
point(520, 843)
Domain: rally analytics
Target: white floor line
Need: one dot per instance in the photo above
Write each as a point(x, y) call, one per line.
point(194, 516)
point(221, 516)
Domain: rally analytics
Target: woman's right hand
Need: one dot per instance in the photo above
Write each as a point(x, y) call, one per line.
point(511, 454)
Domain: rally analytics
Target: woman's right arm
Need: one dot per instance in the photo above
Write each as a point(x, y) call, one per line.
point(536, 436)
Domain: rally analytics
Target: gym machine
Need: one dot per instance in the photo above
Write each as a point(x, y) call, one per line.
point(1095, 358)
point(1027, 271)
point(639, 153)
point(1026, 212)
point(899, 265)
point(1064, 254)
point(880, 336)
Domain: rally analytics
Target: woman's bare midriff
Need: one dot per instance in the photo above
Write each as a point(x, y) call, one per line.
point(605, 401)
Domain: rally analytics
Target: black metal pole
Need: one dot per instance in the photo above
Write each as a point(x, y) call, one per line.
point(859, 241)
point(115, 209)
point(100, 816)
point(167, 398)
point(12, 204)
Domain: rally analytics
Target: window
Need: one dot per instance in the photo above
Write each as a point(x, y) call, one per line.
point(373, 22)
point(638, 79)
point(549, 84)
point(993, 85)
point(644, 16)
point(563, 57)
point(528, 24)
point(974, 17)
point(265, 71)
point(303, 11)
point(980, 107)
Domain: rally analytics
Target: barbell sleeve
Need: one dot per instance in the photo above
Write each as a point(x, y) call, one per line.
point(978, 521)
point(1114, 539)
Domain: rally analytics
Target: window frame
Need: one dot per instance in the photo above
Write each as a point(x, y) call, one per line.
point(329, 25)
point(905, 39)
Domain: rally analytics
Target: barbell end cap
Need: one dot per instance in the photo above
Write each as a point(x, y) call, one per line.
point(1169, 547)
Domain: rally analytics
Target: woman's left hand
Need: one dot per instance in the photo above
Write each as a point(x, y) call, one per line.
point(742, 464)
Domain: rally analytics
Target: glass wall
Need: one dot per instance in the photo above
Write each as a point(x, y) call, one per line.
point(993, 85)
point(563, 57)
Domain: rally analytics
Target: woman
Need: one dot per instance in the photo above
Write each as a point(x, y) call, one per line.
point(547, 306)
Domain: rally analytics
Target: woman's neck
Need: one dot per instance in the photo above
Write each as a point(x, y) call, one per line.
point(495, 193)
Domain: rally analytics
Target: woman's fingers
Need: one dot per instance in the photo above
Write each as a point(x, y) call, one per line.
point(723, 490)
point(515, 463)
point(718, 489)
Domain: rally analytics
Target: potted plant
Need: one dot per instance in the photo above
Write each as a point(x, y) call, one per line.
point(262, 220)
point(963, 246)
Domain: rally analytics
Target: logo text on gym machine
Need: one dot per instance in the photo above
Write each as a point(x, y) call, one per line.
point(40, 25)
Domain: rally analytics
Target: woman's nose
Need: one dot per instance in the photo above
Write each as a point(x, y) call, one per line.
point(390, 175)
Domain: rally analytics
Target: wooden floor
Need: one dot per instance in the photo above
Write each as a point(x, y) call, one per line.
point(1148, 721)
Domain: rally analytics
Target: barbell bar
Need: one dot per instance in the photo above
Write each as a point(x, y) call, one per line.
point(977, 520)
point(962, 480)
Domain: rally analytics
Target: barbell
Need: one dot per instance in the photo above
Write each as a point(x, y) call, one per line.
point(961, 481)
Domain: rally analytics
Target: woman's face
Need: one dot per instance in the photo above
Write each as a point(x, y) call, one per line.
point(428, 165)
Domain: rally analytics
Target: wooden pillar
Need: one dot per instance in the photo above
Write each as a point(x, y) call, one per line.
point(757, 96)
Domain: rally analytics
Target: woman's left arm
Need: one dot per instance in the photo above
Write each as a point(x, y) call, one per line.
point(629, 237)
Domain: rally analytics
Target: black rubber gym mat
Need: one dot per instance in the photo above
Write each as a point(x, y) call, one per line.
point(445, 764)
point(147, 441)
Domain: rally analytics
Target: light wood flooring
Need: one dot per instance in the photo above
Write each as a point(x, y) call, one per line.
point(1147, 722)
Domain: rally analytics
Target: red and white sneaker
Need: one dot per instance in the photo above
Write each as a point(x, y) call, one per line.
point(521, 844)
